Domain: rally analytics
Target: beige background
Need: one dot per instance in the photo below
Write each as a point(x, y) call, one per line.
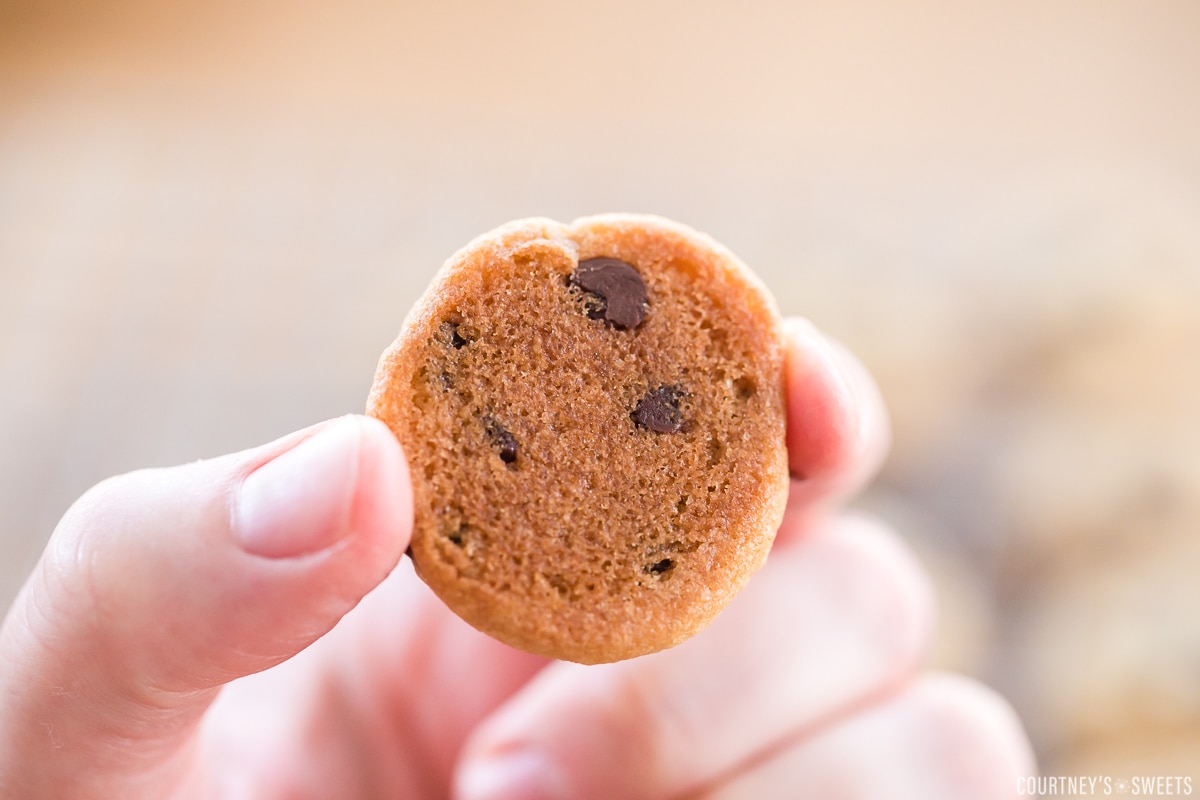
point(213, 219)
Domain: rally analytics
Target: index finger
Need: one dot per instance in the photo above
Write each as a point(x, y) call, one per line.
point(837, 427)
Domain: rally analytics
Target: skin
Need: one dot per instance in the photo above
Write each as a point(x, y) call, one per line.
point(246, 627)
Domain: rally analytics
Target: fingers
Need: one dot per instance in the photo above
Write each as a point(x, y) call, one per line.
point(161, 585)
point(837, 428)
point(942, 737)
point(397, 695)
point(833, 619)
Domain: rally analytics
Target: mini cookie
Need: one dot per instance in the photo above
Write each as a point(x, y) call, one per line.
point(593, 415)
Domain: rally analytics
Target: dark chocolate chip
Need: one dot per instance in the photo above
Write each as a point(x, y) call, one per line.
point(660, 567)
point(659, 410)
point(619, 285)
point(502, 439)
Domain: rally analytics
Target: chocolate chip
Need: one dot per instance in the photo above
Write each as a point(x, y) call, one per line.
point(659, 410)
point(502, 439)
point(619, 285)
point(660, 567)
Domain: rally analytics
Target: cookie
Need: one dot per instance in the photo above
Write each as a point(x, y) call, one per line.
point(594, 418)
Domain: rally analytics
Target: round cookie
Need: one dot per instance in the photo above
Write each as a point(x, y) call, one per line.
point(594, 419)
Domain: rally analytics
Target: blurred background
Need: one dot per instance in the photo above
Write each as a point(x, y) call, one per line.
point(213, 218)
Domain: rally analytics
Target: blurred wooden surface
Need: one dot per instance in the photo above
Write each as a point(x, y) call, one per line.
point(213, 219)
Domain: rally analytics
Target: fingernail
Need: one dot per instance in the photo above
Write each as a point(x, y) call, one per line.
point(519, 775)
point(299, 502)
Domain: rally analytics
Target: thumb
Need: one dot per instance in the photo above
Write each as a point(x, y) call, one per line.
point(159, 586)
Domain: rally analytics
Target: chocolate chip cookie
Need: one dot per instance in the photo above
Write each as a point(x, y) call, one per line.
point(593, 415)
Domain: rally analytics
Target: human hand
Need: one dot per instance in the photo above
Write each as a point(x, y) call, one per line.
point(235, 628)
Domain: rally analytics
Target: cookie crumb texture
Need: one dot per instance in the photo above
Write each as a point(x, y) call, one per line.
point(594, 420)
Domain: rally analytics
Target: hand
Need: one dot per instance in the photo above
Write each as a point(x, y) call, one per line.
point(238, 628)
